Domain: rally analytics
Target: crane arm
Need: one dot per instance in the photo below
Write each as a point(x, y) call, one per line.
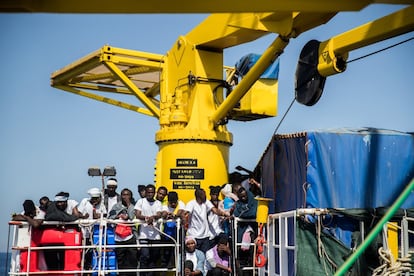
point(319, 60)
point(334, 51)
point(271, 54)
point(224, 30)
point(220, 31)
point(182, 6)
point(115, 70)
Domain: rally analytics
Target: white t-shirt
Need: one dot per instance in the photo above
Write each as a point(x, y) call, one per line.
point(198, 225)
point(40, 214)
point(112, 201)
point(180, 206)
point(192, 257)
point(148, 209)
point(215, 224)
point(85, 207)
point(71, 204)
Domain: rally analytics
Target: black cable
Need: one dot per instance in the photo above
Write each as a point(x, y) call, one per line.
point(386, 48)
point(284, 115)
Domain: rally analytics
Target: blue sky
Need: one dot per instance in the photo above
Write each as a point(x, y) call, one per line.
point(49, 138)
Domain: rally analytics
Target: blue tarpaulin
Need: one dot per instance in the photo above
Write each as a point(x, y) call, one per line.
point(340, 168)
point(359, 168)
point(248, 61)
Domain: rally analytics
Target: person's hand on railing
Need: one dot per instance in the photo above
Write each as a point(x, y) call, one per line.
point(149, 220)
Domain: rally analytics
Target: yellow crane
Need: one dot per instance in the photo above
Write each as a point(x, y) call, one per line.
point(191, 92)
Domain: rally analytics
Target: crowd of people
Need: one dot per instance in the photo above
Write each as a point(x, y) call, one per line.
point(207, 234)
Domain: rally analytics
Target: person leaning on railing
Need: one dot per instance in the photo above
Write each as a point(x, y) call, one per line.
point(245, 208)
point(127, 257)
point(149, 210)
point(170, 213)
point(30, 214)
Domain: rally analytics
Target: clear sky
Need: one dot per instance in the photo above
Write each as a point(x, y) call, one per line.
point(49, 138)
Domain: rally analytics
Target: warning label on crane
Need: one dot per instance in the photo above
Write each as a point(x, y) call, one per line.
point(186, 162)
point(186, 184)
point(186, 175)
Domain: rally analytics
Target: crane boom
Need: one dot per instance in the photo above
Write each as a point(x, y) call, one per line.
point(183, 6)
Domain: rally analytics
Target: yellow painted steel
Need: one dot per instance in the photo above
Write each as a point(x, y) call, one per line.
point(186, 165)
point(192, 153)
point(118, 71)
point(258, 102)
point(271, 53)
point(183, 89)
point(128, 83)
point(262, 209)
point(392, 238)
point(333, 53)
point(181, 6)
point(105, 100)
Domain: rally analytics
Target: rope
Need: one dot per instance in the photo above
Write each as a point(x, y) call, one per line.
point(390, 268)
point(321, 249)
point(334, 266)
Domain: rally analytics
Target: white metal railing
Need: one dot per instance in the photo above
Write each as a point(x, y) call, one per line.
point(24, 249)
point(280, 248)
point(237, 245)
point(21, 243)
point(281, 242)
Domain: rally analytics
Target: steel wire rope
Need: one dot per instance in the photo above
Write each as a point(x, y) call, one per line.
point(381, 50)
point(284, 116)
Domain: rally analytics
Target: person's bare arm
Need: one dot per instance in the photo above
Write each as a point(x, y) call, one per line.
point(219, 212)
point(33, 222)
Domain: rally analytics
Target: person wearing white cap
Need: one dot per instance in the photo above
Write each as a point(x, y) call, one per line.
point(92, 207)
point(194, 255)
point(65, 204)
point(62, 208)
point(111, 197)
